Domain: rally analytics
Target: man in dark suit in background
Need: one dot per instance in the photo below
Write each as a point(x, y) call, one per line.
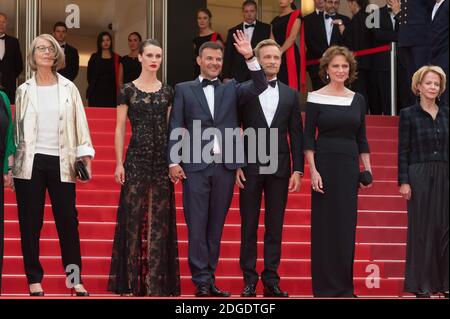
point(70, 71)
point(11, 63)
point(414, 36)
point(202, 111)
point(439, 41)
point(234, 64)
point(386, 34)
point(322, 31)
point(277, 108)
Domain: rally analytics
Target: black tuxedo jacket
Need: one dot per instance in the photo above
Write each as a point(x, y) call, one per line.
point(287, 121)
point(383, 35)
point(11, 66)
point(234, 63)
point(440, 36)
point(359, 38)
point(316, 38)
point(70, 71)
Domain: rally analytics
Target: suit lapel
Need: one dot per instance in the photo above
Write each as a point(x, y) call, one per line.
point(437, 12)
point(200, 95)
point(280, 103)
point(322, 30)
point(256, 33)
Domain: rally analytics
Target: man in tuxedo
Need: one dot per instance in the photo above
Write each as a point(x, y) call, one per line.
point(277, 108)
point(203, 110)
point(321, 32)
point(11, 64)
point(414, 36)
point(439, 41)
point(70, 71)
point(256, 31)
point(386, 34)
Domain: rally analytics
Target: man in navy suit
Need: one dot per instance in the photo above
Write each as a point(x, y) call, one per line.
point(234, 64)
point(11, 64)
point(277, 108)
point(414, 35)
point(439, 41)
point(202, 111)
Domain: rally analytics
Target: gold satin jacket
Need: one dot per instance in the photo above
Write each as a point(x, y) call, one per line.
point(74, 137)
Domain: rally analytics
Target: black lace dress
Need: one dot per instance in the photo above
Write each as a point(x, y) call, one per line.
point(145, 252)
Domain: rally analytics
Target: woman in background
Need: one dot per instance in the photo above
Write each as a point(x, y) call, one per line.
point(130, 67)
point(423, 181)
point(205, 34)
point(103, 74)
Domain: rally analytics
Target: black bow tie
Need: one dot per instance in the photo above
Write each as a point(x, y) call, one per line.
point(2, 37)
point(249, 26)
point(328, 16)
point(389, 9)
point(273, 83)
point(63, 46)
point(207, 82)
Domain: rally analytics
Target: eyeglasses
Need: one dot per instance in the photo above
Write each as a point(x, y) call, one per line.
point(43, 48)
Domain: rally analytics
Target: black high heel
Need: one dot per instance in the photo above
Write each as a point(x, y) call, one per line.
point(37, 294)
point(424, 295)
point(79, 293)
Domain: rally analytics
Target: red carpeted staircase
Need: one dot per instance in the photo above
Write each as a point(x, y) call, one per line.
point(380, 242)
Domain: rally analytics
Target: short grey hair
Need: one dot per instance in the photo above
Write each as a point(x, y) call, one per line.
point(60, 57)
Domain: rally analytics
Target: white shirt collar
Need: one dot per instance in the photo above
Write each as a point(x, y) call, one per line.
point(201, 78)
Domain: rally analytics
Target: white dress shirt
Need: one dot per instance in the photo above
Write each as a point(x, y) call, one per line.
point(2, 48)
point(269, 102)
point(436, 8)
point(329, 28)
point(249, 31)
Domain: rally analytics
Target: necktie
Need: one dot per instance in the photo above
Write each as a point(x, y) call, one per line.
point(249, 26)
point(273, 83)
point(207, 82)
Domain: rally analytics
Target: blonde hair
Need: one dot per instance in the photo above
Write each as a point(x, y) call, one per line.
point(420, 74)
point(265, 43)
point(330, 54)
point(60, 58)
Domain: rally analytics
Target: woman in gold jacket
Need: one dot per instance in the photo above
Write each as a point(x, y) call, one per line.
point(51, 133)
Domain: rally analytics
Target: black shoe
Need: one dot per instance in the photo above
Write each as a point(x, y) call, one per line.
point(37, 294)
point(446, 295)
point(80, 293)
point(423, 295)
point(249, 291)
point(216, 292)
point(202, 291)
point(275, 291)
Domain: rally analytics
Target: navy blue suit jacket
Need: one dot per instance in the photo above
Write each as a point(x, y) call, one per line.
point(439, 37)
point(415, 23)
point(190, 105)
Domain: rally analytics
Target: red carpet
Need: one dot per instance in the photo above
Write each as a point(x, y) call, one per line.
point(381, 231)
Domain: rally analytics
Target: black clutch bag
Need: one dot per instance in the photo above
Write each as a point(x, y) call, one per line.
point(82, 172)
point(365, 178)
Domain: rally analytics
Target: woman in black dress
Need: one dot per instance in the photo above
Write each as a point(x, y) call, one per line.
point(285, 30)
point(423, 180)
point(339, 116)
point(205, 34)
point(7, 151)
point(145, 251)
point(130, 67)
point(103, 74)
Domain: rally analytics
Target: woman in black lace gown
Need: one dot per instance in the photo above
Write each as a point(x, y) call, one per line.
point(145, 253)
